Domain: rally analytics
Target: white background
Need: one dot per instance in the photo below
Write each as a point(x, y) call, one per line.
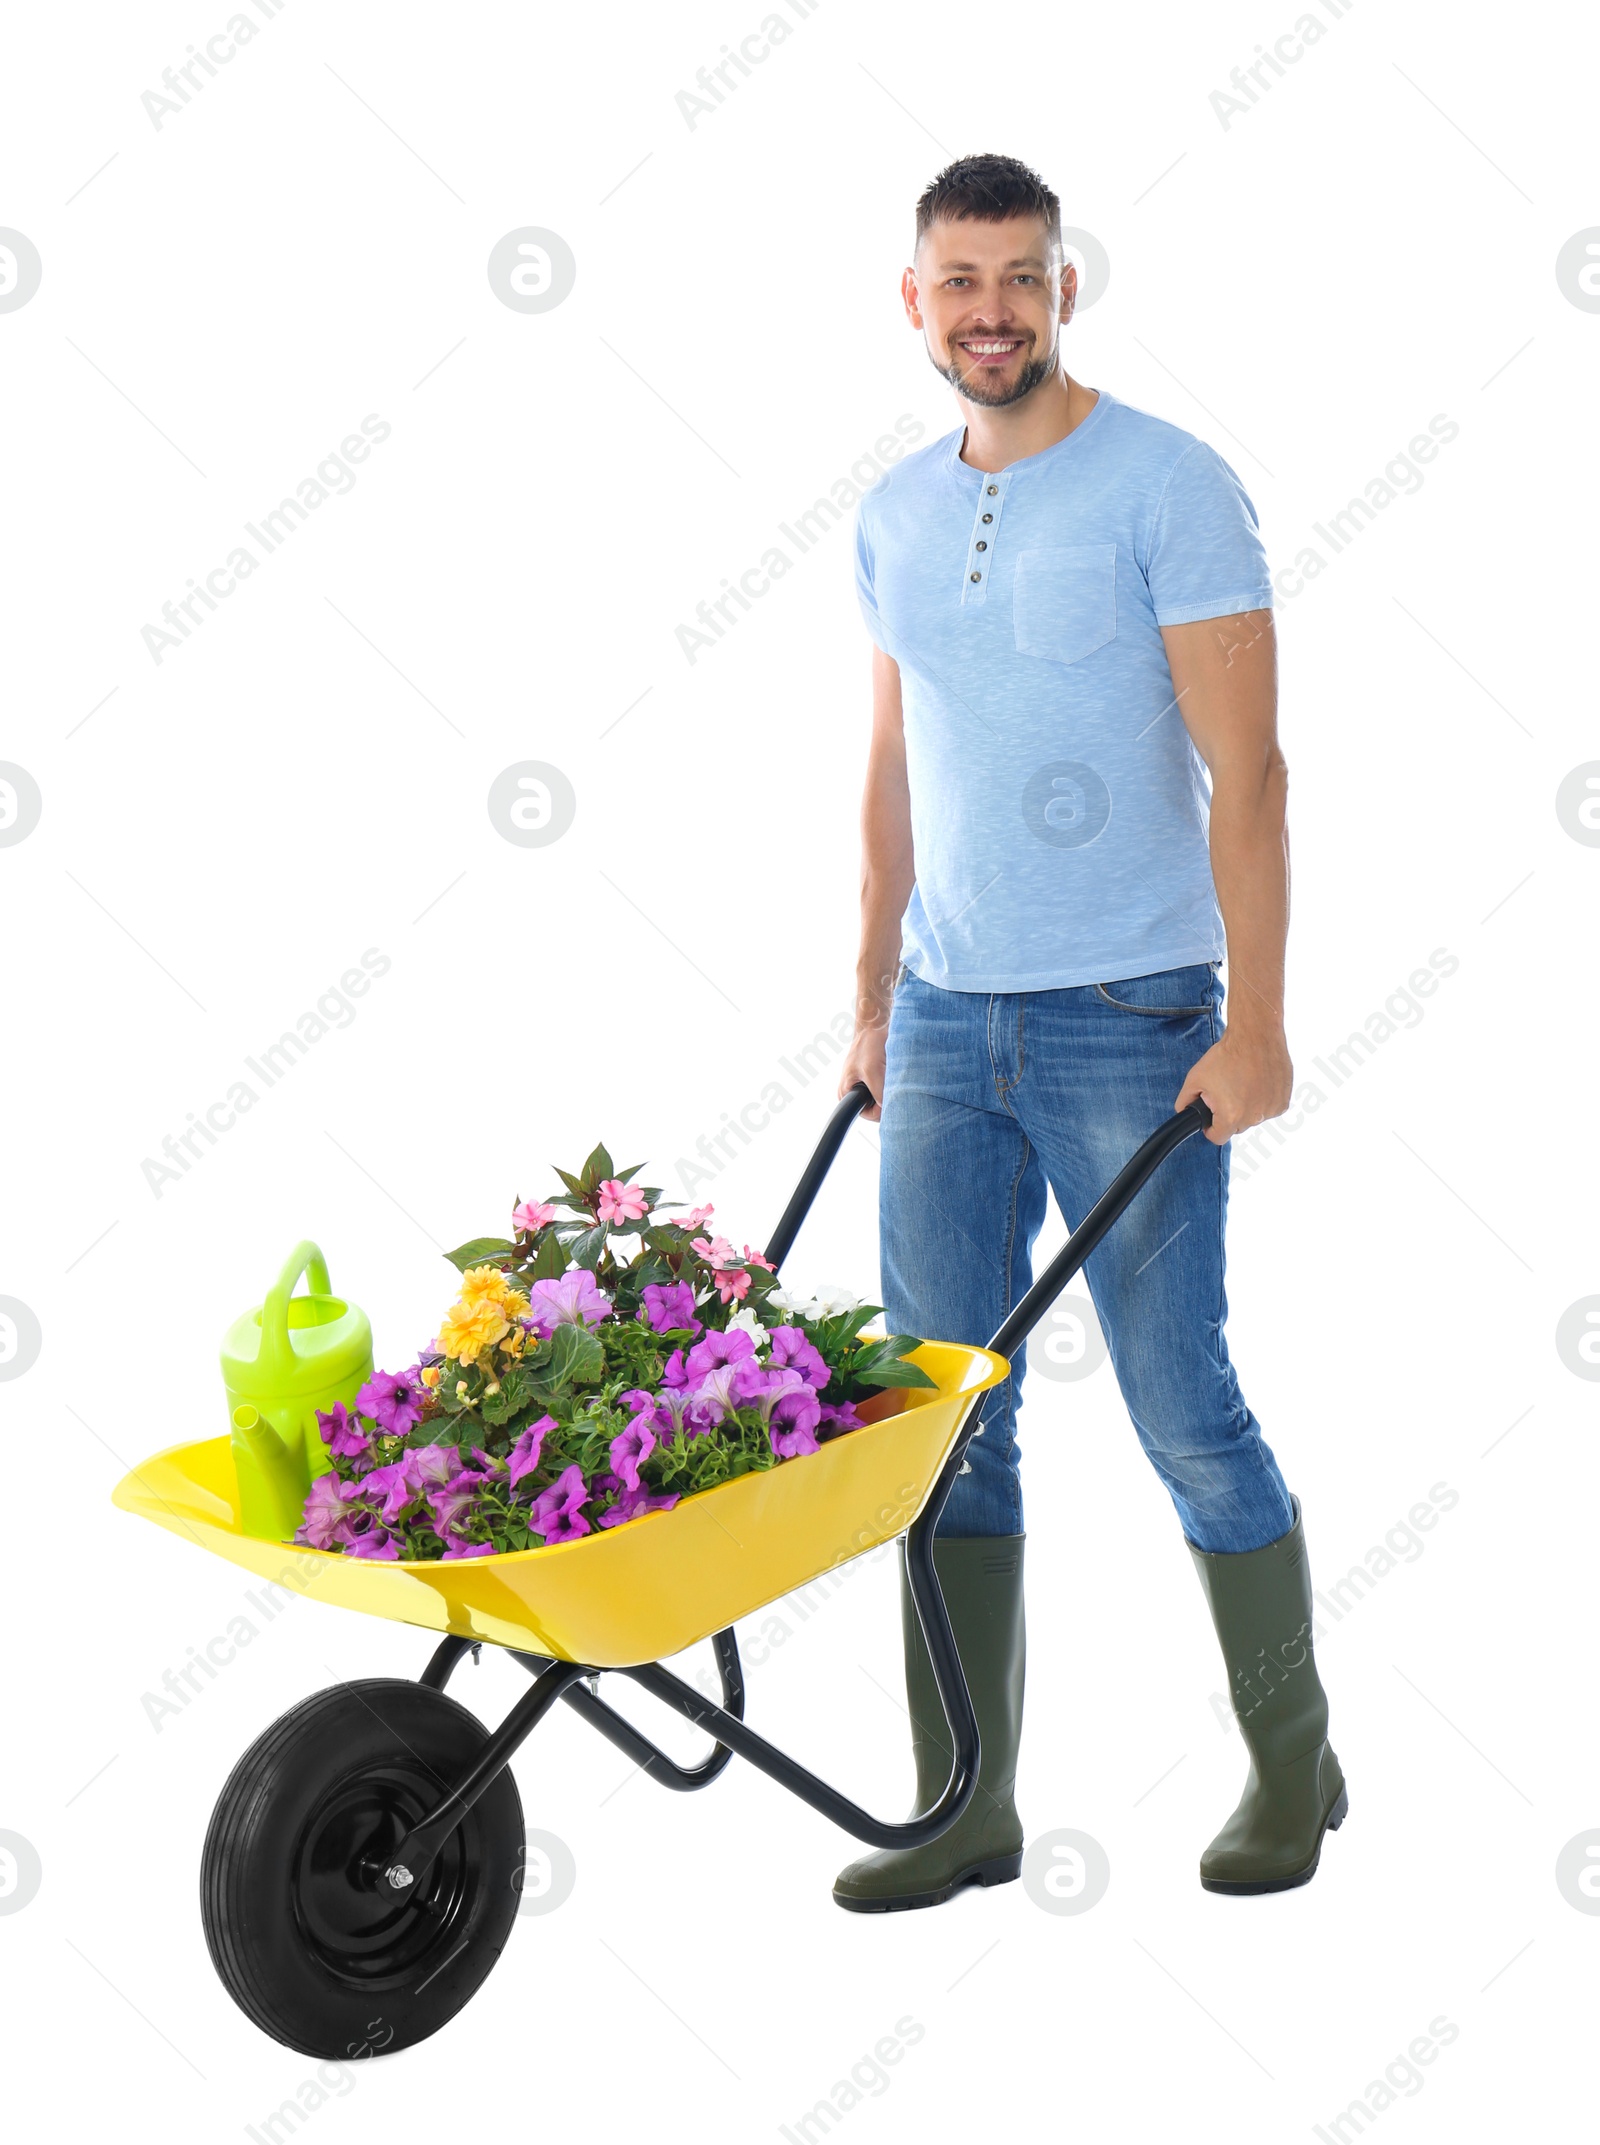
point(224, 833)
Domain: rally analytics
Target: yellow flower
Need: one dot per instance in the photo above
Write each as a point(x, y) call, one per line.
point(483, 1284)
point(470, 1327)
point(514, 1304)
point(513, 1343)
point(430, 1377)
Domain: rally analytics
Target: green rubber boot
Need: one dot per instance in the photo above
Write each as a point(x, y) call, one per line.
point(1260, 1602)
point(981, 1580)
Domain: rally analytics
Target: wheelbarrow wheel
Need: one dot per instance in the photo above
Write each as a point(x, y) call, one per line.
point(306, 1945)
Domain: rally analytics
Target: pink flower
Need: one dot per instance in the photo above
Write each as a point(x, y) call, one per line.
point(696, 1218)
point(755, 1258)
point(532, 1216)
point(718, 1252)
point(621, 1202)
point(733, 1285)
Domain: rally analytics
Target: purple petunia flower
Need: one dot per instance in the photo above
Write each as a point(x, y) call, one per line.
point(341, 1433)
point(715, 1349)
point(793, 1349)
point(791, 1429)
point(633, 1504)
point(630, 1450)
point(328, 1522)
point(454, 1503)
point(669, 1307)
point(673, 1373)
point(558, 1507)
point(425, 1467)
point(377, 1542)
point(393, 1399)
point(670, 1404)
point(839, 1416)
point(396, 1484)
point(524, 1456)
point(572, 1300)
point(455, 1547)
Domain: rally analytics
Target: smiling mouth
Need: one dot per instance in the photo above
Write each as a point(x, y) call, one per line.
point(992, 349)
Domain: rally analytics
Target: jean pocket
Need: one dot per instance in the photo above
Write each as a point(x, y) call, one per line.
point(1064, 601)
point(1172, 994)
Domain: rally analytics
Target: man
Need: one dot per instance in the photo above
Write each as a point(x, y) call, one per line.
point(1071, 613)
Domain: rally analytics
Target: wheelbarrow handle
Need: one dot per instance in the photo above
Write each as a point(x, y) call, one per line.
point(850, 1107)
point(1107, 1210)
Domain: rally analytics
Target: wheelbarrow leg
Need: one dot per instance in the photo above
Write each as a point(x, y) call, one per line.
point(445, 1657)
point(633, 1743)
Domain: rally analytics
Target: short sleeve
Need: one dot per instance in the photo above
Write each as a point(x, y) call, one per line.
point(865, 594)
point(1206, 555)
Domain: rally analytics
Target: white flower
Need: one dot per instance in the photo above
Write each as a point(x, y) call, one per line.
point(831, 1299)
point(744, 1320)
point(788, 1299)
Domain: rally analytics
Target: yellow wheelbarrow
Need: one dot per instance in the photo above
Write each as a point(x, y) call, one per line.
point(363, 1866)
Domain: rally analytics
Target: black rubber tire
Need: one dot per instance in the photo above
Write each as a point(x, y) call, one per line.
point(318, 1960)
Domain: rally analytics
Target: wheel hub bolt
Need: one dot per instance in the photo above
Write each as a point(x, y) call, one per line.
point(399, 1877)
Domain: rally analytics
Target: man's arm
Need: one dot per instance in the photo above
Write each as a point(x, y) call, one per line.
point(1225, 675)
point(887, 873)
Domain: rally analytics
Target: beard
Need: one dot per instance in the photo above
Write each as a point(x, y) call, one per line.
point(977, 386)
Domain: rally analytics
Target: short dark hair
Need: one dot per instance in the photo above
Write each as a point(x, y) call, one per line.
point(988, 189)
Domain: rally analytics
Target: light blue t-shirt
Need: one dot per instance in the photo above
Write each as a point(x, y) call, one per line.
point(1059, 810)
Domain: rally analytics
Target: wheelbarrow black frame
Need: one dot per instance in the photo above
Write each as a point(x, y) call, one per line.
point(574, 1682)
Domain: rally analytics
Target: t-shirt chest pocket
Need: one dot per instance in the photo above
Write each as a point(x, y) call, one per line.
point(1064, 600)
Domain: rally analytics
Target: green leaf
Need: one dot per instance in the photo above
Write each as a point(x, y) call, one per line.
point(597, 1166)
point(585, 1249)
point(513, 1394)
point(891, 1373)
point(576, 1357)
point(480, 1251)
point(549, 1262)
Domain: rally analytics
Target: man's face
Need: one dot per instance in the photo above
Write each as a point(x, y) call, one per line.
point(990, 297)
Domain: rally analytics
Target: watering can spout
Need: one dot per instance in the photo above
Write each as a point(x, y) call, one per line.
point(273, 1476)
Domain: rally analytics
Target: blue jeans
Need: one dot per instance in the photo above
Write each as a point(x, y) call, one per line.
point(989, 1099)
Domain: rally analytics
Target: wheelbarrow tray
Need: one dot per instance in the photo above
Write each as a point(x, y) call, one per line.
point(627, 1595)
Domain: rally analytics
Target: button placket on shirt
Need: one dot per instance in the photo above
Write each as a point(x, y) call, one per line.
point(981, 544)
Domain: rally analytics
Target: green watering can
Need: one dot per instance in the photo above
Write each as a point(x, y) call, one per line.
point(281, 1362)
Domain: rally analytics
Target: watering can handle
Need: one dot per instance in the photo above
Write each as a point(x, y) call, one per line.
point(277, 1357)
